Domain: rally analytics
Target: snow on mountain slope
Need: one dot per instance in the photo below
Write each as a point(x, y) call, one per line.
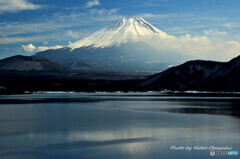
point(120, 32)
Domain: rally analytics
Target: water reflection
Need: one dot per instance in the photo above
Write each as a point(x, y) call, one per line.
point(86, 126)
point(225, 108)
point(85, 144)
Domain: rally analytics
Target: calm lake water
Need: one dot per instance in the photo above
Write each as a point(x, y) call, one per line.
point(117, 126)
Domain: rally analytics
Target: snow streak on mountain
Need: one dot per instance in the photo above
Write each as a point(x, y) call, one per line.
point(120, 32)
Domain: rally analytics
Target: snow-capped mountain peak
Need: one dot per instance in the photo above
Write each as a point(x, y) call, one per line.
point(119, 32)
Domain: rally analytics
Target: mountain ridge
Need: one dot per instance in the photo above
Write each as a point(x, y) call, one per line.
point(188, 75)
point(196, 75)
point(20, 63)
point(212, 76)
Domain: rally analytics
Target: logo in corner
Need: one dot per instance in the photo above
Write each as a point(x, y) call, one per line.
point(212, 153)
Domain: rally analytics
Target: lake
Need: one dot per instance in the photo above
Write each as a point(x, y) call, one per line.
point(149, 125)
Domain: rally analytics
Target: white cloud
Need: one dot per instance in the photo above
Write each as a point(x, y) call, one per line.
point(14, 28)
point(207, 32)
point(102, 12)
point(32, 48)
point(176, 30)
point(216, 33)
point(11, 40)
point(29, 48)
point(220, 33)
point(231, 25)
point(196, 47)
point(70, 33)
point(20, 39)
point(92, 3)
point(17, 5)
point(43, 48)
point(58, 21)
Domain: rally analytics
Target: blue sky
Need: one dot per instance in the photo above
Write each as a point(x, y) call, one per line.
point(42, 24)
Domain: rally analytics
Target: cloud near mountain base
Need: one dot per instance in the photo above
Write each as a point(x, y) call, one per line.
point(32, 48)
point(193, 47)
point(197, 47)
point(29, 48)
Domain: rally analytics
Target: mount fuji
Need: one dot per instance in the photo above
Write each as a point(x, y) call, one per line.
point(121, 47)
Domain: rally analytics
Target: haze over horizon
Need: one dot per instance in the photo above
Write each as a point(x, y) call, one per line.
point(207, 29)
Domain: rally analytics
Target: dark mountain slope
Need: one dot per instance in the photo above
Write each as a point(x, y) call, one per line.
point(30, 66)
point(187, 76)
point(227, 78)
point(20, 74)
